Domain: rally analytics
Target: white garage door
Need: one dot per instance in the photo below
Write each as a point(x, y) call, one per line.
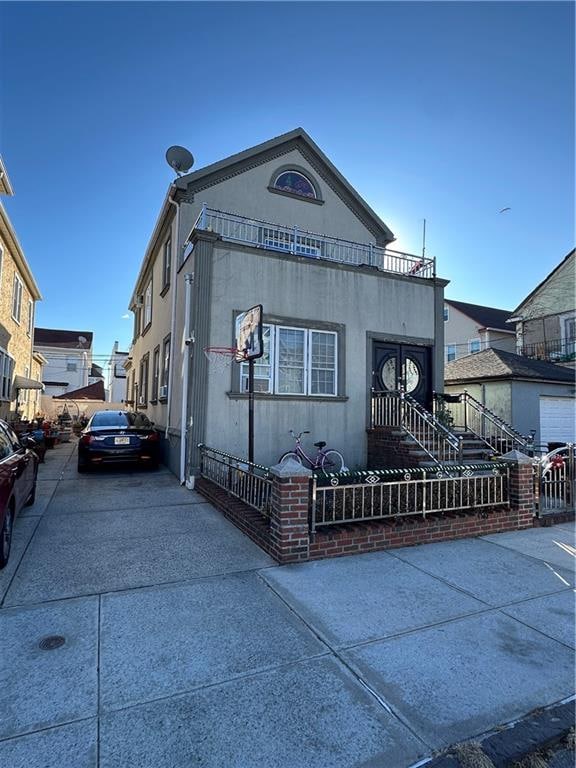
point(557, 420)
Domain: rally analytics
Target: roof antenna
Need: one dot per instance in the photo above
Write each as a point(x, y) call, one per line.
point(424, 239)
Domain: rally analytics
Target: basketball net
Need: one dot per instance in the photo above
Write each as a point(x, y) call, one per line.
point(220, 357)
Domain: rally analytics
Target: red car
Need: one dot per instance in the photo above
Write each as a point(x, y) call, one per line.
point(18, 473)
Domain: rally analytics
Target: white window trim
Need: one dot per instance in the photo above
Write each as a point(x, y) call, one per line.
point(450, 347)
point(446, 313)
point(30, 317)
point(148, 305)
point(274, 365)
point(17, 293)
point(472, 341)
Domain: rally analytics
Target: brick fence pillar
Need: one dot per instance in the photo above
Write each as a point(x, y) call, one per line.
point(521, 488)
point(289, 528)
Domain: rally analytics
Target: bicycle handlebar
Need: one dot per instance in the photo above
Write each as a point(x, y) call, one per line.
point(306, 432)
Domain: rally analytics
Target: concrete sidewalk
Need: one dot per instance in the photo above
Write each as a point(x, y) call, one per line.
point(186, 645)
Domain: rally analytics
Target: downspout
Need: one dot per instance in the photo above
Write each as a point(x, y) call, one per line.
point(174, 280)
point(188, 351)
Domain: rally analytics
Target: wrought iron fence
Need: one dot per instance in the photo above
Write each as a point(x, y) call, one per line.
point(351, 497)
point(556, 481)
point(246, 481)
point(277, 237)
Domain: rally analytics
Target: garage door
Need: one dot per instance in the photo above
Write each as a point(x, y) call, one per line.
point(557, 420)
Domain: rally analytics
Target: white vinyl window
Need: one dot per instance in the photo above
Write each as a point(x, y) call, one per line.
point(148, 305)
point(450, 352)
point(296, 361)
point(474, 346)
point(30, 316)
point(17, 299)
point(6, 370)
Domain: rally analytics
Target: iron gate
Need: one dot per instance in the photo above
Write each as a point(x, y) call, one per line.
point(556, 481)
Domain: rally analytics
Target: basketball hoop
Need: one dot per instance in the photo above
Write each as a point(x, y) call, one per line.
point(220, 357)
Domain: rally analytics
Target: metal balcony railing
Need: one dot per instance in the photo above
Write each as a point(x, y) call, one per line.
point(552, 351)
point(299, 242)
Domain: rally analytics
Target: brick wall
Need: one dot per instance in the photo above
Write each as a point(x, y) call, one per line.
point(286, 536)
point(386, 448)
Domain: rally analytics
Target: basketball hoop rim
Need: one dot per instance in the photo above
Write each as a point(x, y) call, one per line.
point(223, 351)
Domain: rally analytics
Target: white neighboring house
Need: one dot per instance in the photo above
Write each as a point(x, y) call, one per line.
point(117, 375)
point(471, 328)
point(69, 359)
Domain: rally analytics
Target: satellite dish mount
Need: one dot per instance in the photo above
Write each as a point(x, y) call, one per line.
point(180, 159)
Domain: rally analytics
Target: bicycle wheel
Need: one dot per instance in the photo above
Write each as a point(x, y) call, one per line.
point(289, 455)
point(332, 461)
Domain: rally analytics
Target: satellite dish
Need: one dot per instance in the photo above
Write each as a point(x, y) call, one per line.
point(180, 159)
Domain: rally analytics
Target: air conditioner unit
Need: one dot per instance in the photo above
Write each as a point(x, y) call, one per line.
point(164, 391)
point(141, 400)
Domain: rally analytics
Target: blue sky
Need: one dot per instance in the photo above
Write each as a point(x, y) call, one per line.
point(444, 111)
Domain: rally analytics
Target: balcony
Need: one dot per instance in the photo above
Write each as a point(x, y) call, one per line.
point(552, 351)
point(299, 242)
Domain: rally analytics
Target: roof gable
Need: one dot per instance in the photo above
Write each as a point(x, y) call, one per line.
point(91, 392)
point(522, 311)
point(275, 148)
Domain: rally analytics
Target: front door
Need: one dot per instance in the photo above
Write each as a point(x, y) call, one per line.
point(402, 365)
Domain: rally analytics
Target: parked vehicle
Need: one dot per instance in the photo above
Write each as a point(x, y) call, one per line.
point(114, 437)
point(18, 473)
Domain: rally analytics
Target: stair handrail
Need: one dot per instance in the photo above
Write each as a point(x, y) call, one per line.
point(522, 440)
point(453, 440)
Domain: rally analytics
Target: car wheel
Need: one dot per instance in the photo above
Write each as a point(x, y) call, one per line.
point(6, 537)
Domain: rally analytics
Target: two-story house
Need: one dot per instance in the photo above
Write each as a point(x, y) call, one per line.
point(545, 322)
point(20, 369)
point(68, 357)
point(470, 328)
point(344, 313)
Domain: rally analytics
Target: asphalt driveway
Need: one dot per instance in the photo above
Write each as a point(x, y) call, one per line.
point(186, 645)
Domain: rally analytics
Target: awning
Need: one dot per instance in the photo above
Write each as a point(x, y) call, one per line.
point(21, 382)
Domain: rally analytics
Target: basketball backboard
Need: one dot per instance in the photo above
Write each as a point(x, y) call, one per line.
point(248, 340)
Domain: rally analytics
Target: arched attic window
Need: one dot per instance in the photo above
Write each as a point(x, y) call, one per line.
point(295, 182)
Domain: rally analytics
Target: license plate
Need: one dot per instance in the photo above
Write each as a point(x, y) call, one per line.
point(121, 441)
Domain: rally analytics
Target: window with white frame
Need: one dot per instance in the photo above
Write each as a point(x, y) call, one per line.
point(17, 298)
point(155, 373)
point(30, 317)
point(569, 336)
point(296, 361)
point(167, 263)
point(450, 352)
point(474, 346)
point(446, 313)
point(6, 370)
point(148, 305)
point(165, 374)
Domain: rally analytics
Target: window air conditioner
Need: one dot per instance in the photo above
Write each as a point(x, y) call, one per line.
point(164, 390)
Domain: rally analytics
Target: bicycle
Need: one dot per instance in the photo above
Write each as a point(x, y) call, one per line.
point(327, 461)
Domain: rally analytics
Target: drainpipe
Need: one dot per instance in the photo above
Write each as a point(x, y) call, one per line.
point(174, 281)
point(188, 352)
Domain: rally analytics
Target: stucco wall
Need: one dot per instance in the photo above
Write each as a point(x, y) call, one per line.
point(316, 293)
point(526, 403)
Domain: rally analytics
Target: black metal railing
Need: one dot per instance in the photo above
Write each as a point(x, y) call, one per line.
point(246, 481)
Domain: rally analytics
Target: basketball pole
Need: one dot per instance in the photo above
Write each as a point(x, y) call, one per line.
point(251, 411)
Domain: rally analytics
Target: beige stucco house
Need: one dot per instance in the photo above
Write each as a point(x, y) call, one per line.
point(277, 225)
point(470, 328)
point(20, 369)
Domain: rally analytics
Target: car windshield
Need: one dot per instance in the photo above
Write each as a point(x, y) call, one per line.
point(110, 419)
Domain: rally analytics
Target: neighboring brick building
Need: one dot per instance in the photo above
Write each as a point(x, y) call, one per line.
point(20, 369)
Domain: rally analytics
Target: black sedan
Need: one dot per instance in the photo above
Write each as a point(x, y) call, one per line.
point(18, 473)
point(117, 437)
